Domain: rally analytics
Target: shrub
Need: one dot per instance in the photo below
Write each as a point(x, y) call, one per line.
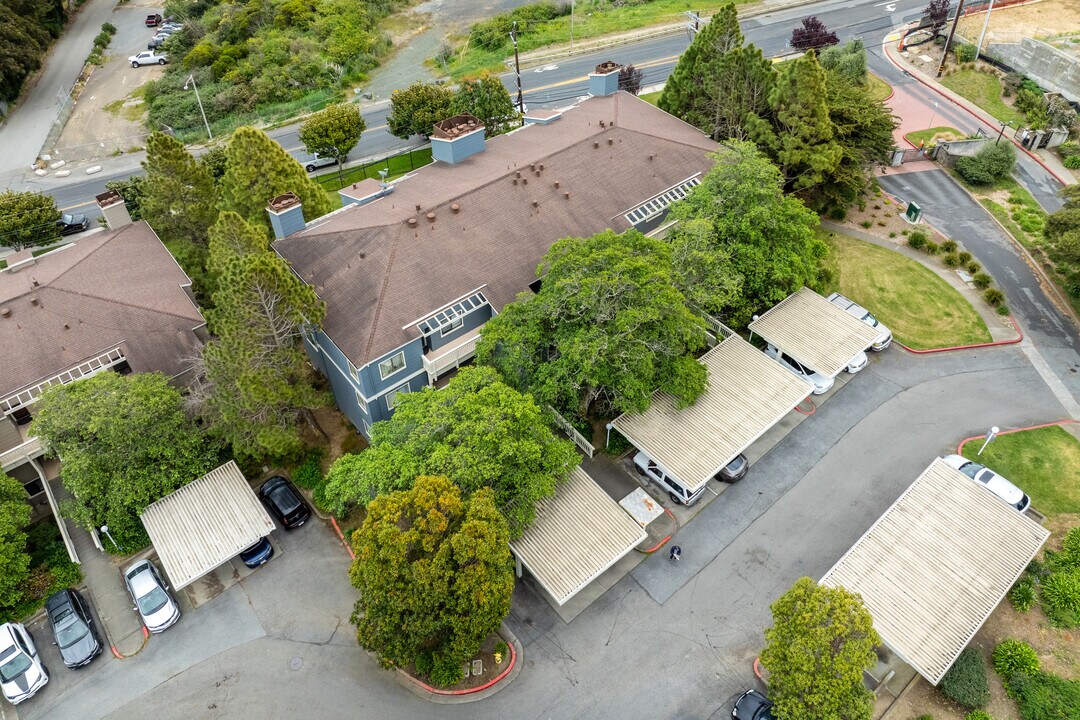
point(916, 239)
point(309, 473)
point(445, 674)
point(964, 257)
point(973, 268)
point(838, 213)
point(951, 259)
point(867, 223)
point(965, 683)
point(1061, 598)
point(964, 52)
point(931, 247)
point(993, 297)
point(926, 716)
point(892, 234)
point(981, 280)
point(1003, 309)
point(102, 39)
point(108, 28)
point(1072, 162)
point(1043, 696)
point(1069, 149)
point(948, 246)
point(990, 164)
point(979, 715)
point(1015, 656)
point(1028, 100)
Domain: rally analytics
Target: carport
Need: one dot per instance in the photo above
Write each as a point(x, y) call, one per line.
point(747, 393)
point(205, 523)
point(936, 564)
point(815, 332)
point(578, 533)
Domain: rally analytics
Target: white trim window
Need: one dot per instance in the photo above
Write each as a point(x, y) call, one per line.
point(352, 370)
point(392, 365)
point(452, 328)
point(391, 397)
point(361, 401)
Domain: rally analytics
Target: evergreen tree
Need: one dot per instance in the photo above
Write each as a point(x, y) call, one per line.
point(487, 99)
point(257, 169)
point(800, 137)
point(230, 237)
point(258, 382)
point(179, 198)
point(14, 562)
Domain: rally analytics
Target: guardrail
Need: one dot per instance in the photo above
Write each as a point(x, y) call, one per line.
point(20, 454)
point(579, 439)
point(450, 359)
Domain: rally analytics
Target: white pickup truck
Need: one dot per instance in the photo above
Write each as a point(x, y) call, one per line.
point(857, 311)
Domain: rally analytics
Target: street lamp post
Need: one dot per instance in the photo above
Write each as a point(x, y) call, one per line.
point(933, 117)
point(1001, 132)
point(989, 437)
point(105, 529)
point(191, 79)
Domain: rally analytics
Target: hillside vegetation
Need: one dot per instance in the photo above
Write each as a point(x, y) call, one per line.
point(264, 59)
point(27, 28)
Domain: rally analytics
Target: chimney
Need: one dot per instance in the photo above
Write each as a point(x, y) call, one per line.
point(114, 209)
point(457, 138)
point(541, 116)
point(366, 191)
point(604, 80)
point(286, 215)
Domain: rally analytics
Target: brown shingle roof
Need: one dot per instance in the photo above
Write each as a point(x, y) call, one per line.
point(376, 272)
point(119, 287)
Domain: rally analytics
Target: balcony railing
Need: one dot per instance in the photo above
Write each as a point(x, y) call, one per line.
point(437, 362)
point(20, 454)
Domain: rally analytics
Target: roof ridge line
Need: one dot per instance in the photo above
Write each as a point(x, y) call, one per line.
point(137, 306)
point(116, 234)
point(382, 294)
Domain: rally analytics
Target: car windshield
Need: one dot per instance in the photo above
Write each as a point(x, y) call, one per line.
point(971, 469)
point(152, 601)
point(69, 629)
point(67, 219)
point(870, 320)
point(14, 667)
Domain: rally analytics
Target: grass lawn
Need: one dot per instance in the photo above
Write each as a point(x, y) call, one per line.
point(601, 18)
point(921, 309)
point(1044, 463)
point(932, 135)
point(879, 89)
point(983, 89)
point(397, 165)
point(653, 97)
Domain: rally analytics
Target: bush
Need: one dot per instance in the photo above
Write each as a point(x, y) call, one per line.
point(309, 473)
point(964, 257)
point(1003, 309)
point(973, 268)
point(917, 239)
point(965, 683)
point(989, 165)
point(1015, 656)
point(979, 715)
point(993, 297)
point(981, 280)
point(108, 28)
point(867, 223)
point(948, 246)
point(965, 53)
point(445, 674)
point(1072, 162)
point(1069, 149)
point(1043, 696)
point(951, 259)
point(1061, 598)
point(102, 39)
point(838, 213)
point(931, 248)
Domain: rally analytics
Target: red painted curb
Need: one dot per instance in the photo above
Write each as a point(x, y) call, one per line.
point(341, 536)
point(660, 544)
point(991, 121)
point(965, 441)
point(813, 406)
point(996, 343)
point(116, 653)
point(485, 686)
point(757, 669)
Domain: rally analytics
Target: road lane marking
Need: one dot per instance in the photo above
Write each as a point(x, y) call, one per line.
point(82, 204)
point(582, 78)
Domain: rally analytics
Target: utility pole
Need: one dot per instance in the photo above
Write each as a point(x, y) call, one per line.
point(978, 45)
point(571, 25)
point(948, 40)
point(694, 25)
point(517, 69)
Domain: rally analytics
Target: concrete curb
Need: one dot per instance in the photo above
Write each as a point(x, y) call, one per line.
point(460, 697)
point(337, 529)
point(965, 441)
point(657, 546)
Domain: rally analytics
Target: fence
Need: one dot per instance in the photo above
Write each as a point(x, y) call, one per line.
point(395, 164)
point(579, 439)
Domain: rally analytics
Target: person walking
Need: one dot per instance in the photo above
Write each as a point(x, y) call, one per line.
point(676, 552)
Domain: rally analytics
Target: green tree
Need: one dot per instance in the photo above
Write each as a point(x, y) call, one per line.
point(233, 237)
point(14, 561)
point(179, 198)
point(798, 135)
point(607, 328)
point(333, 131)
point(257, 169)
point(991, 163)
point(486, 98)
point(434, 575)
point(740, 219)
point(258, 383)
point(821, 641)
point(477, 431)
point(416, 109)
point(27, 219)
point(126, 442)
point(847, 60)
point(214, 161)
point(22, 46)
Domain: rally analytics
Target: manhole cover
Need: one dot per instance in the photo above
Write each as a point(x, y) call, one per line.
point(296, 663)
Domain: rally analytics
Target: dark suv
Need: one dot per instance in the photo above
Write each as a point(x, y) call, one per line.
point(73, 628)
point(284, 502)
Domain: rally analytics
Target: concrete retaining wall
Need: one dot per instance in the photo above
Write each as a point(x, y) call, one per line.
point(1051, 68)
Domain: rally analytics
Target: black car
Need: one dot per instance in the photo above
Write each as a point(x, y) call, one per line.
point(70, 224)
point(73, 628)
point(258, 553)
point(753, 706)
point(285, 502)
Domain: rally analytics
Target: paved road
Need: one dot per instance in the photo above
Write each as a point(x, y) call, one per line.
point(671, 641)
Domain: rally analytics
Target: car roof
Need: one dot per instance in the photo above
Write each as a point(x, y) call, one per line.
point(143, 580)
point(58, 600)
point(7, 636)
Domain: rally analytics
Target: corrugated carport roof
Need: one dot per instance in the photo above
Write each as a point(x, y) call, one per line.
point(578, 533)
point(936, 564)
point(206, 522)
point(815, 332)
point(747, 394)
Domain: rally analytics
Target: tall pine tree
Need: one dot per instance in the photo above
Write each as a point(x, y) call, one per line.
point(179, 199)
point(683, 94)
point(258, 169)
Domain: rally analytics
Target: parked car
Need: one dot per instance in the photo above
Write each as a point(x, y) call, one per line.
point(166, 30)
point(73, 628)
point(857, 363)
point(284, 502)
point(155, 605)
point(994, 483)
point(678, 494)
point(21, 671)
point(735, 470)
point(148, 58)
point(258, 553)
point(752, 705)
point(156, 42)
point(316, 161)
point(70, 224)
point(821, 383)
point(852, 308)
point(153, 20)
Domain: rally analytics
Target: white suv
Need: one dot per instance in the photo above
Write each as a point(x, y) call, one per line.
point(857, 311)
point(678, 494)
point(21, 671)
point(994, 483)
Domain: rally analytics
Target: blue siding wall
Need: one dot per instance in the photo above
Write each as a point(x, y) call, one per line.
point(414, 362)
point(287, 222)
point(456, 150)
point(377, 408)
point(469, 321)
point(332, 363)
point(603, 85)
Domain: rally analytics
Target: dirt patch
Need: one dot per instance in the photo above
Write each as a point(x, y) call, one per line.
point(883, 217)
point(1042, 20)
point(487, 657)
